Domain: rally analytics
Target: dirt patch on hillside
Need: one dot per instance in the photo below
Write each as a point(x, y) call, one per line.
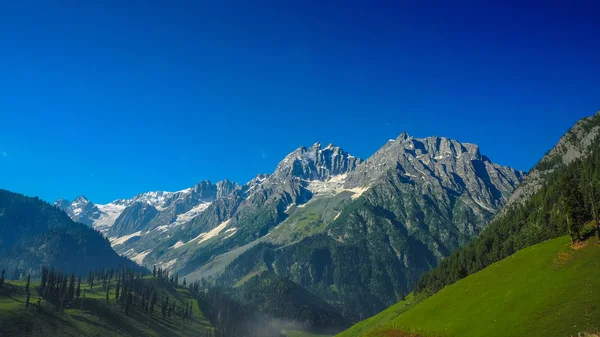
point(563, 258)
point(578, 245)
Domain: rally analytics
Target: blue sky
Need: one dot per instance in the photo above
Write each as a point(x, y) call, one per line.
point(109, 100)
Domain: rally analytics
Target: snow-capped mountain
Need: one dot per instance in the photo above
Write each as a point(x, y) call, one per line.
point(146, 210)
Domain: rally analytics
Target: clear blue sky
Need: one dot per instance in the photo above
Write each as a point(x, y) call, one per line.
point(109, 100)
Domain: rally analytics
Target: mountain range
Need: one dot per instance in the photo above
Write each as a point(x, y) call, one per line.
point(358, 233)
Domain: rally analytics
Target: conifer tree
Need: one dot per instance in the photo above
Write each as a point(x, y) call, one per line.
point(71, 293)
point(2, 279)
point(117, 289)
point(573, 206)
point(27, 291)
point(78, 291)
point(44, 281)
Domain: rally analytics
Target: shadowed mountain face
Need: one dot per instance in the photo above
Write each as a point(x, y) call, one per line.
point(34, 234)
point(357, 233)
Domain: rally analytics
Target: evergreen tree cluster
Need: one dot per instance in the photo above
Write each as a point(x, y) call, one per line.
point(229, 316)
point(57, 288)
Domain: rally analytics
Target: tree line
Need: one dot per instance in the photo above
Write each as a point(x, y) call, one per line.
point(132, 292)
point(230, 317)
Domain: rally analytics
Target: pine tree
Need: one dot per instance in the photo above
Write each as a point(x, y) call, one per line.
point(118, 289)
point(2, 279)
point(107, 292)
point(154, 271)
point(128, 303)
point(593, 200)
point(82, 300)
point(78, 291)
point(153, 299)
point(44, 281)
point(573, 206)
point(27, 291)
point(71, 293)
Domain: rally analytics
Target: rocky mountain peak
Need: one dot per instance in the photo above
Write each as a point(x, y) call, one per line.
point(442, 162)
point(404, 136)
point(81, 200)
point(316, 163)
point(226, 187)
point(62, 204)
point(205, 190)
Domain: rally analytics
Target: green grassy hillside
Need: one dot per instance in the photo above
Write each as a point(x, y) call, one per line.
point(292, 333)
point(549, 289)
point(91, 316)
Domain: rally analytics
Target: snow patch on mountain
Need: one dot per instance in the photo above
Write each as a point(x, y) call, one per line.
point(192, 213)
point(168, 265)
point(333, 186)
point(231, 231)
point(122, 239)
point(178, 244)
point(139, 258)
point(327, 187)
point(214, 232)
point(109, 213)
point(358, 191)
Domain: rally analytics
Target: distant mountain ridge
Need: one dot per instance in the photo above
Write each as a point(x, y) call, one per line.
point(124, 216)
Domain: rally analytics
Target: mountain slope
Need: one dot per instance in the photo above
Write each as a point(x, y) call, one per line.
point(550, 286)
point(34, 233)
point(92, 316)
point(534, 213)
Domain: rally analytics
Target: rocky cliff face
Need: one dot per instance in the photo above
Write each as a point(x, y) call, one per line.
point(575, 144)
point(315, 163)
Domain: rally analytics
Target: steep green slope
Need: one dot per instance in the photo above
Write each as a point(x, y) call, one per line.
point(549, 289)
point(292, 333)
point(92, 316)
